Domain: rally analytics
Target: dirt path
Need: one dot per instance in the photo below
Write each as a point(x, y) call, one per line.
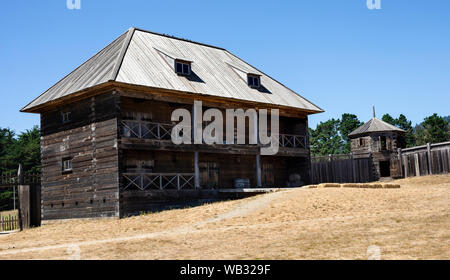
point(241, 210)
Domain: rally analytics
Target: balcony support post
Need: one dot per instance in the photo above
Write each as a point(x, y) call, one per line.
point(196, 171)
point(258, 171)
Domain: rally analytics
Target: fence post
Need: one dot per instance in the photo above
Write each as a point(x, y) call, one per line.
point(416, 157)
point(331, 178)
point(14, 197)
point(20, 180)
point(430, 159)
point(353, 168)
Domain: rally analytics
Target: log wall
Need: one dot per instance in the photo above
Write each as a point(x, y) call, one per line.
point(100, 155)
point(91, 189)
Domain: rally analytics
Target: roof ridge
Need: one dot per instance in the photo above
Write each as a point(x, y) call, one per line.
point(177, 38)
point(123, 52)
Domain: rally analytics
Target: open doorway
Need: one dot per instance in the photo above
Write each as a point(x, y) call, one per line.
point(385, 169)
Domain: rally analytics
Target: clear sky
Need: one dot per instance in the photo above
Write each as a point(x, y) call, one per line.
point(336, 53)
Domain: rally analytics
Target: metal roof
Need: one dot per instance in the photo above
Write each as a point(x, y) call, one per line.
point(375, 125)
point(146, 58)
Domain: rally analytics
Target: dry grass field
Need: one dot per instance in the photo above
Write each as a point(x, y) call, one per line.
point(9, 213)
point(412, 222)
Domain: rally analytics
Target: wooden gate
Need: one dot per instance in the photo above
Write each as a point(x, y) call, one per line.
point(396, 168)
point(29, 193)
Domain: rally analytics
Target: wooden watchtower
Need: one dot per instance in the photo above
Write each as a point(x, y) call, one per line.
point(381, 140)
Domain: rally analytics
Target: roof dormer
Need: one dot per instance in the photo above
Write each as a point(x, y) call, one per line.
point(183, 67)
point(254, 80)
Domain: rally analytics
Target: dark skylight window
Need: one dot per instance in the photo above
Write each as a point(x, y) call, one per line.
point(254, 81)
point(182, 68)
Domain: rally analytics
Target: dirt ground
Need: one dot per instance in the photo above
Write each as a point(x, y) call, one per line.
point(412, 222)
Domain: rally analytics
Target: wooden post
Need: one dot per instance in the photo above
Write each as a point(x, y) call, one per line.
point(258, 171)
point(416, 156)
point(331, 178)
point(20, 178)
point(14, 197)
point(196, 171)
point(430, 159)
point(406, 163)
point(197, 129)
point(400, 158)
point(24, 206)
point(353, 168)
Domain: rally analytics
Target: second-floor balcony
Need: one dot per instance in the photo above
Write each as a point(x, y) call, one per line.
point(163, 132)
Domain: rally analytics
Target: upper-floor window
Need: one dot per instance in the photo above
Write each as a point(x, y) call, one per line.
point(67, 165)
point(383, 143)
point(362, 142)
point(254, 81)
point(66, 117)
point(182, 67)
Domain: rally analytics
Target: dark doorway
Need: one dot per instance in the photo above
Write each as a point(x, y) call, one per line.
point(385, 168)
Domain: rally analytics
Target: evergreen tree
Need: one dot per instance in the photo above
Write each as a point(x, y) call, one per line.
point(403, 123)
point(325, 139)
point(27, 150)
point(24, 149)
point(434, 129)
point(348, 123)
point(7, 141)
point(389, 119)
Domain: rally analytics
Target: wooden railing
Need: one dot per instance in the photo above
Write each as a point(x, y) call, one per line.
point(292, 141)
point(159, 181)
point(159, 131)
point(146, 130)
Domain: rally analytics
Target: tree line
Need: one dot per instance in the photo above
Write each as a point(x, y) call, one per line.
point(331, 136)
point(15, 148)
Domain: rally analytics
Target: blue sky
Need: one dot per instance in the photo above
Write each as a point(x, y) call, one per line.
point(336, 53)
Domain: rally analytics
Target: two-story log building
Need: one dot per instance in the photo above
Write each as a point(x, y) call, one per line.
point(106, 144)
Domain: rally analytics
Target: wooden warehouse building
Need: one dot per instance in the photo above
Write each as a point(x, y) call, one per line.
point(106, 145)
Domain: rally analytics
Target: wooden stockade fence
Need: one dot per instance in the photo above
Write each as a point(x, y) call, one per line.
point(341, 169)
point(29, 193)
point(9, 223)
point(12, 179)
point(430, 159)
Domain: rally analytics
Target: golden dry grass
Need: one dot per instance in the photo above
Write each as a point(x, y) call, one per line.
point(412, 222)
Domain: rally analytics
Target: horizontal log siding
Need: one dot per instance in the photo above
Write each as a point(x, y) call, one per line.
point(91, 190)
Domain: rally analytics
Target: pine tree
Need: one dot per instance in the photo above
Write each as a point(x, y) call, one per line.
point(434, 129)
point(348, 123)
